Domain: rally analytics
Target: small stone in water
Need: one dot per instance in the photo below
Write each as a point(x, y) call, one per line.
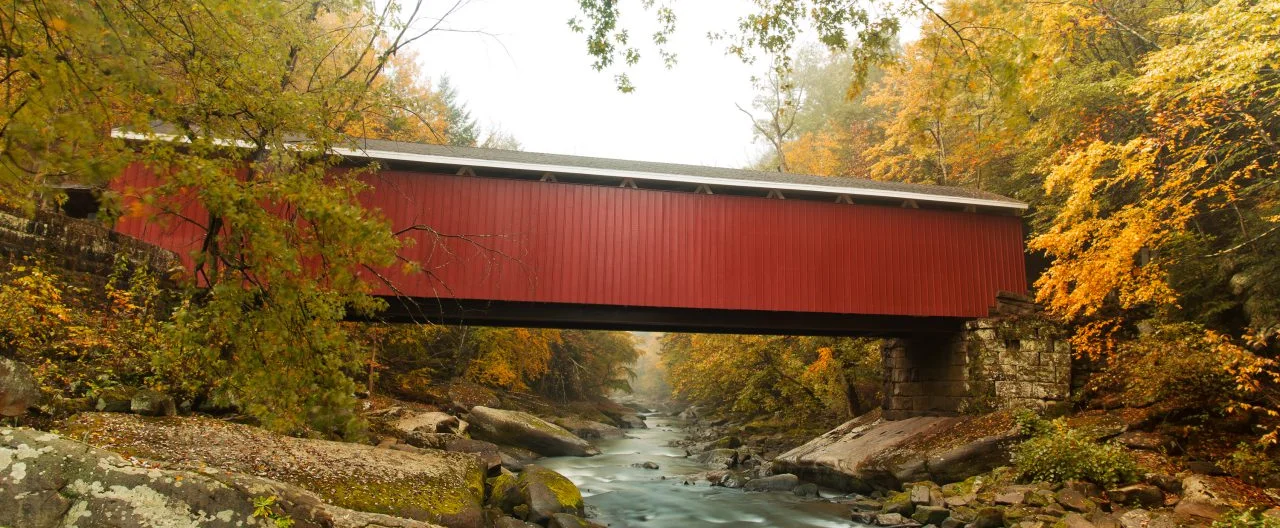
point(645, 465)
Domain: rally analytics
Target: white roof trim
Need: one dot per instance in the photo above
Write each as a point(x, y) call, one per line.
point(617, 173)
point(591, 171)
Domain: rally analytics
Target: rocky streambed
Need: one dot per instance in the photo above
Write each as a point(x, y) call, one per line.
point(645, 480)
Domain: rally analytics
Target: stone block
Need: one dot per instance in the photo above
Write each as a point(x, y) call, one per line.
point(901, 403)
point(901, 375)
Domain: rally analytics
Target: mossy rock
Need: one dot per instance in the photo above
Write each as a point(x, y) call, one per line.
point(425, 485)
point(899, 502)
point(958, 489)
point(536, 494)
point(727, 442)
point(1015, 514)
point(992, 517)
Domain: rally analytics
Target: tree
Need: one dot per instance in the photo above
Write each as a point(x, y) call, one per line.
point(1173, 216)
point(812, 381)
point(780, 99)
point(254, 95)
point(460, 128)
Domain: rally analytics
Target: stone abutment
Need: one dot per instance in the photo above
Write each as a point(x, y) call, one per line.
point(1000, 362)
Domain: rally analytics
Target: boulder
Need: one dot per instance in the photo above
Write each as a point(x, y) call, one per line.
point(1104, 520)
point(894, 519)
point(866, 504)
point(428, 485)
point(1144, 495)
point(525, 430)
point(988, 518)
point(1204, 467)
point(50, 481)
point(726, 442)
point(564, 520)
point(429, 422)
point(1148, 441)
point(869, 453)
point(512, 522)
point(920, 494)
point(930, 514)
point(1205, 497)
point(783, 482)
point(1074, 500)
point(1075, 520)
point(536, 494)
point(588, 429)
point(1011, 497)
point(515, 458)
point(807, 489)
point(718, 458)
point(632, 421)
point(646, 465)
point(1141, 518)
point(1084, 487)
point(899, 503)
point(117, 400)
point(152, 403)
point(734, 480)
point(488, 453)
point(18, 389)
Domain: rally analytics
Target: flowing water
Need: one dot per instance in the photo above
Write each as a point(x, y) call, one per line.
point(622, 496)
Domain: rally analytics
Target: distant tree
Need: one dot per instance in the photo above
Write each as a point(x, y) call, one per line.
point(460, 128)
point(809, 381)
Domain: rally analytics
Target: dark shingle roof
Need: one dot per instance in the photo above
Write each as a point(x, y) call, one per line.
point(566, 164)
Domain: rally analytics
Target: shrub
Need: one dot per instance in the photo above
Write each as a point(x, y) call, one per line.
point(1060, 453)
point(1254, 518)
point(1174, 364)
point(1251, 462)
point(80, 340)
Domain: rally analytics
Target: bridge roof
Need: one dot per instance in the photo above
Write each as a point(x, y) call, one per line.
point(670, 172)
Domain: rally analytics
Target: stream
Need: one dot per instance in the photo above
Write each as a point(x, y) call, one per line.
point(620, 495)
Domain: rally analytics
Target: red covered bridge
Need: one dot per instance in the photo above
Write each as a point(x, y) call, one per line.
point(569, 241)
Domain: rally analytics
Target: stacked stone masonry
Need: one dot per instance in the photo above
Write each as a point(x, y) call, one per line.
point(1002, 362)
point(77, 245)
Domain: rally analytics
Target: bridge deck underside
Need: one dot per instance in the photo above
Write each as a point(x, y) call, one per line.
point(605, 317)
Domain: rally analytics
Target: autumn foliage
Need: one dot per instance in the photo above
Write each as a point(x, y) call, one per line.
point(1144, 137)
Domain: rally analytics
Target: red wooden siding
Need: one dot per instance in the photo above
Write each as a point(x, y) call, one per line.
point(582, 244)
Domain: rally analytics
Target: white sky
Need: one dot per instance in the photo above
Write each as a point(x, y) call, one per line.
point(533, 79)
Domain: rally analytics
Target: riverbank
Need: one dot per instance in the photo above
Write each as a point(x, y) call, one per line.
point(993, 470)
point(422, 468)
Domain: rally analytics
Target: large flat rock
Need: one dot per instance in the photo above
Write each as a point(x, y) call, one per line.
point(426, 485)
point(869, 452)
point(524, 430)
point(48, 481)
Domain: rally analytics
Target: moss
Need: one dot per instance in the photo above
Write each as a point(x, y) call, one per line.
point(959, 489)
point(406, 498)
point(899, 502)
point(728, 442)
point(499, 488)
point(567, 494)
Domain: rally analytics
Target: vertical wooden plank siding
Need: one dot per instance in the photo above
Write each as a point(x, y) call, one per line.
point(565, 243)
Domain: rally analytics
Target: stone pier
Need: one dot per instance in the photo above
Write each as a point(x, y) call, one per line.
point(1000, 362)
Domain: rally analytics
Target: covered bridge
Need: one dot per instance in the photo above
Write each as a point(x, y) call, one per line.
point(521, 238)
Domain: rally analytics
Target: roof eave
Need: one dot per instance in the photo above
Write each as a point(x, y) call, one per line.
point(645, 175)
point(388, 155)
